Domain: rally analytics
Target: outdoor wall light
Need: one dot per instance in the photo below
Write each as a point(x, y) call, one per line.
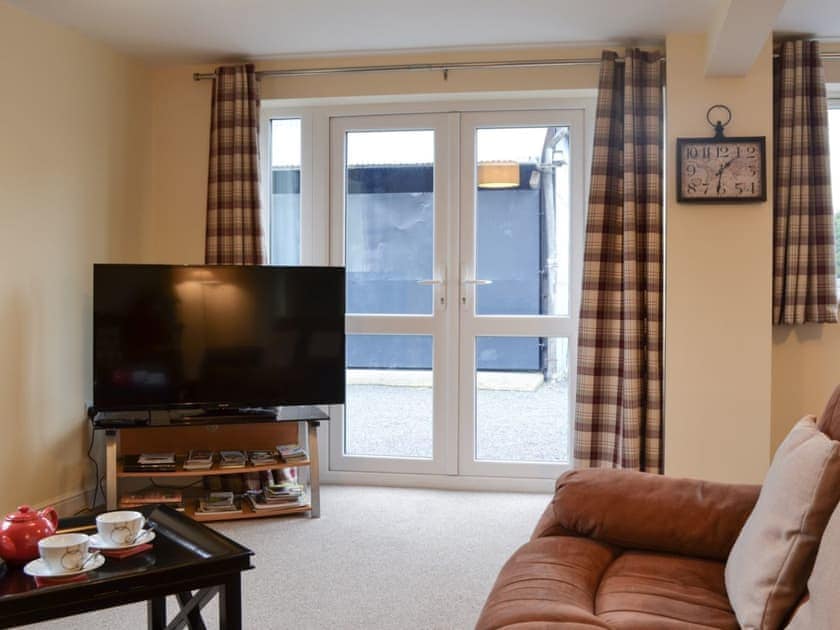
point(498, 174)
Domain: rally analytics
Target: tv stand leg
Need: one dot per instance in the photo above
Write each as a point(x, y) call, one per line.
point(314, 471)
point(110, 469)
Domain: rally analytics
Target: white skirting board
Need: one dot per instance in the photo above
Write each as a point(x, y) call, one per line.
point(70, 503)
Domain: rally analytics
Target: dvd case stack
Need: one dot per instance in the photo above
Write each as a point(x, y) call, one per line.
point(199, 460)
point(292, 453)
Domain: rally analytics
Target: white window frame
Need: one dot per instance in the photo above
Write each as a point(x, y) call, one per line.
point(316, 115)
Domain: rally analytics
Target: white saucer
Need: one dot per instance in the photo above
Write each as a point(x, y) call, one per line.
point(97, 542)
point(38, 568)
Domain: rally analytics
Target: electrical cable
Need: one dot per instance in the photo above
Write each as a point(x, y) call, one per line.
point(98, 485)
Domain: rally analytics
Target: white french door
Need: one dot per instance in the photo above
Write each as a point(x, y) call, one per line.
point(461, 234)
point(400, 330)
point(520, 252)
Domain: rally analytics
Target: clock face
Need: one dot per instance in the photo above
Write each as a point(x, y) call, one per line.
point(728, 169)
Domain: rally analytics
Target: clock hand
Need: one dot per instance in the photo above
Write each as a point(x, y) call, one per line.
point(720, 173)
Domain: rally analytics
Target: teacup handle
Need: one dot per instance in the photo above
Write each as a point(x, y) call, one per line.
point(89, 559)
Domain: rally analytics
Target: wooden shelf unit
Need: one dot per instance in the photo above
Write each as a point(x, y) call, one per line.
point(214, 470)
point(244, 436)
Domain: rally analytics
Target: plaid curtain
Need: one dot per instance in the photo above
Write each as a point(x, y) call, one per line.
point(618, 422)
point(234, 215)
point(803, 243)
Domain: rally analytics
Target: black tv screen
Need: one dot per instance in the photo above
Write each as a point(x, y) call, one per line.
point(169, 336)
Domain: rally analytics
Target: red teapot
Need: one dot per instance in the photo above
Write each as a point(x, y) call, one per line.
point(20, 532)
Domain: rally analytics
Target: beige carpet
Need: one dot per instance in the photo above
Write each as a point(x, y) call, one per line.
point(377, 558)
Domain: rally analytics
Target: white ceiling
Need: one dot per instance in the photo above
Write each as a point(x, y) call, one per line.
point(213, 30)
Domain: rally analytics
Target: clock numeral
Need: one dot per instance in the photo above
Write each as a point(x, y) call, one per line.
point(690, 169)
point(722, 151)
point(750, 149)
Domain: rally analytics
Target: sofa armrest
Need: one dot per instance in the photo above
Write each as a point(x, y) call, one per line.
point(645, 511)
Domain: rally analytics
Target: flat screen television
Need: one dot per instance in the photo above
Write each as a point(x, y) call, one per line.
point(211, 337)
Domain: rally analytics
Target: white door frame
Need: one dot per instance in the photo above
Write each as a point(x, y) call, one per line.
point(316, 227)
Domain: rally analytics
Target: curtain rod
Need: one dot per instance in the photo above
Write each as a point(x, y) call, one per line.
point(414, 67)
point(442, 67)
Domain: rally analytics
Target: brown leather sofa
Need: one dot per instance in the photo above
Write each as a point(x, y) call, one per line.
point(625, 550)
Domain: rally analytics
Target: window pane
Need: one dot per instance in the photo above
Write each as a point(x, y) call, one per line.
point(522, 221)
point(834, 154)
point(284, 206)
point(522, 399)
point(388, 411)
point(389, 221)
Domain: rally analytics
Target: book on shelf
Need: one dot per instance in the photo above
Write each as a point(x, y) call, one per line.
point(259, 503)
point(262, 458)
point(156, 458)
point(218, 503)
point(152, 495)
point(132, 463)
point(128, 505)
point(199, 460)
point(232, 459)
point(291, 453)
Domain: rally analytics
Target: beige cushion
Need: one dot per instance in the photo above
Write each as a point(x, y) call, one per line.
point(822, 610)
point(772, 558)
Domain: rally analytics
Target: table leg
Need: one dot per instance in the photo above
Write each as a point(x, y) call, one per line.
point(110, 469)
point(230, 604)
point(314, 471)
point(156, 613)
point(194, 620)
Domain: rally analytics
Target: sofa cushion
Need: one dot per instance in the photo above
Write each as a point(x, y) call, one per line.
point(651, 591)
point(774, 553)
point(636, 510)
point(549, 582)
point(822, 609)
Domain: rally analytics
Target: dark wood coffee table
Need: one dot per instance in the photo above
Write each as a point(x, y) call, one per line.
point(189, 560)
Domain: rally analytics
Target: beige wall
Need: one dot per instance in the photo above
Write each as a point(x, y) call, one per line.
point(717, 314)
point(70, 153)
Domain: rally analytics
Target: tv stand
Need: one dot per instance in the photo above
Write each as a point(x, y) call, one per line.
point(224, 414)
point(249, 431)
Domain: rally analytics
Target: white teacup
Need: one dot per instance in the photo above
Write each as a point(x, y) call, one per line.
point(119, 528)
point(64, 553)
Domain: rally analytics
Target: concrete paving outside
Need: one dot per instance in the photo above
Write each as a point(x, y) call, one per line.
point(517, 424)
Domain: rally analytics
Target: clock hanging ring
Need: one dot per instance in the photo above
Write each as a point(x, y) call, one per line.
point(721, 169)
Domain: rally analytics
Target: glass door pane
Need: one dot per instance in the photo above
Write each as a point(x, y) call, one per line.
point(389, 406)
point(522, 220)
point(522, 399)
point(389, 221)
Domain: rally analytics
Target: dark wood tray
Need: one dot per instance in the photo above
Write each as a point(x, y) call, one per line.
point(186, 555)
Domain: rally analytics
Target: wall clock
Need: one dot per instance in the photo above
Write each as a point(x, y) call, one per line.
point(721, 169)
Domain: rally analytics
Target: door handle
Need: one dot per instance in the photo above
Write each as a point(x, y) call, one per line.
point(479, 283)
point(436, 283)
